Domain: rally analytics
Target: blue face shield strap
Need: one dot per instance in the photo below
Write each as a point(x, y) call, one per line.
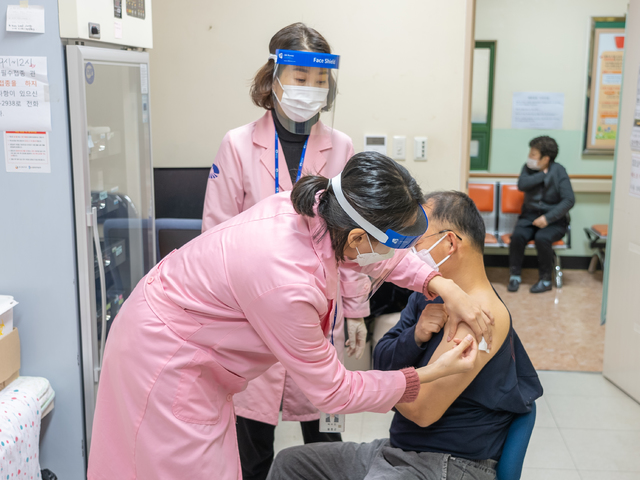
point(390, 238)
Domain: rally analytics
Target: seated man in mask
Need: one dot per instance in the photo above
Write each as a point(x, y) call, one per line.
point(548, 196)
point(458, 425)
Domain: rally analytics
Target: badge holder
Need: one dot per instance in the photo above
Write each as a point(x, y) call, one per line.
point(332, 422)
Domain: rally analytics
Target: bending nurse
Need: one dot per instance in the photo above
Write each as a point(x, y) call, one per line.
point(296, 86)
point(258, 289)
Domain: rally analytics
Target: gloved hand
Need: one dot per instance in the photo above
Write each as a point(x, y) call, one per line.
point(357, 331)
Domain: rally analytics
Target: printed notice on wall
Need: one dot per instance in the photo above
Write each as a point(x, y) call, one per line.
point(537, 110)
point(24, 94)
point(27, 152)
point(29, 19)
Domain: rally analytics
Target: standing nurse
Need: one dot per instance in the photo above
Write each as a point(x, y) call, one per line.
point(296, 85)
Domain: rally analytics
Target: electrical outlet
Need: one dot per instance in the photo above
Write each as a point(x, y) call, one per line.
point(420, 148)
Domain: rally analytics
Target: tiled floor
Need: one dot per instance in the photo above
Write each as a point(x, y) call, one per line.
point(586, 429)
point(560, 329)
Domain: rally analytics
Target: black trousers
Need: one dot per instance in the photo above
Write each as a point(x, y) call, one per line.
point(255, 443)
point(544, 237)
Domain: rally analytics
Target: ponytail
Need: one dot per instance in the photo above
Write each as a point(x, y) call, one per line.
point(380, 189)
point(304, 193)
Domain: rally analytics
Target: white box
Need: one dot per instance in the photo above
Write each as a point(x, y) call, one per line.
point(6, 314)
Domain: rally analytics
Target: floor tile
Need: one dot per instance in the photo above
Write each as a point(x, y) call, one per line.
point(604, 413)
point(599, 475)
point(578, 383)
point(607, 450)
point(549, 474)
point(544, 419)
point(548, 450)
point(560, 329)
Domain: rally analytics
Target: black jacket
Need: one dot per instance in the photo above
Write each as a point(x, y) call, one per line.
point(549, 194)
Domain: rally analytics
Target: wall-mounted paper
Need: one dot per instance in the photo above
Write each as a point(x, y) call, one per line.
point(537, 110)
point(24, 94)
point(27, 152)
point(28, 19)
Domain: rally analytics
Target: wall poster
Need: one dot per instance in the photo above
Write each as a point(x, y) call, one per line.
point(604, 90)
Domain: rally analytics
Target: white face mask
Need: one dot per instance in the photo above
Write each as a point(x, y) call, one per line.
point(533, 164)
point(301, 103)
point(365, 259)
point(426, 257)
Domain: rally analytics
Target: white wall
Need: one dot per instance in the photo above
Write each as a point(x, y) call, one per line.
point(404, 70)
point(621, 352)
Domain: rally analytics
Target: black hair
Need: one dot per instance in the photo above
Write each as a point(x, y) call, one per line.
point(379, 189)
point(456, 210)
point(547, 147)
point(296, 36)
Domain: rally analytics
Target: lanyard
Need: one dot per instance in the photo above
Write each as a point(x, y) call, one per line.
point(335, 313)
point(304, 150)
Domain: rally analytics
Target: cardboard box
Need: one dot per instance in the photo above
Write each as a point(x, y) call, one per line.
point(9, 357)
point(6, 314)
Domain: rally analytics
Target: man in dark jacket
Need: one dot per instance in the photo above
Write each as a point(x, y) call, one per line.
point(548, 197)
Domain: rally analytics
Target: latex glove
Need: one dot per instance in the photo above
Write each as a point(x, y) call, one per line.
point(357, 331)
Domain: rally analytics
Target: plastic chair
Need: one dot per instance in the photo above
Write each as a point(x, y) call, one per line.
point(172, 233)
point(511, 200)
point(515, 446)
point(484, 195)
point(597, 235)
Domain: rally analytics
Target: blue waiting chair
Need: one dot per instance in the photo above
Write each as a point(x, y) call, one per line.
point(515, 446)
point(172, 233)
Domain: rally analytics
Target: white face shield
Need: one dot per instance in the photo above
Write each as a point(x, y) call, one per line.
point(396, 244)
point(304, 89)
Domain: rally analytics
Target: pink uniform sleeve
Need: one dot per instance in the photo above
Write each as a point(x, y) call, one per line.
point(287, 318)
point(354, 289)
point(225, 191)
point(410, 272)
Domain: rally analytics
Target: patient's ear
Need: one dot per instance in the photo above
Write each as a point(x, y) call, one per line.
point(453, 242)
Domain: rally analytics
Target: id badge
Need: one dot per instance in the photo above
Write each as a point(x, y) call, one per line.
point(332, 422)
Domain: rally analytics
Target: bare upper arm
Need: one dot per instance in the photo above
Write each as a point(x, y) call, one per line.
point(437, 396)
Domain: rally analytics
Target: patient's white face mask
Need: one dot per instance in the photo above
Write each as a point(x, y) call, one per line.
point(425, 256)
point(365, 259)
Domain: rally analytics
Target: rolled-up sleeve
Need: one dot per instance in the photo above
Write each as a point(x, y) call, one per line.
point(287, 318)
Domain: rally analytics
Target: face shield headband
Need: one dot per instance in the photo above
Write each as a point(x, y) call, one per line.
point(397, 240)
point(306, 59)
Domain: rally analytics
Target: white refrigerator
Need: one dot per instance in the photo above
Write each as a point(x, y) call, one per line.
point(75, 240)
point(113, 192)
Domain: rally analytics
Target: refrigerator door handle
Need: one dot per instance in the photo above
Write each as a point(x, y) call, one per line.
point(103, 288)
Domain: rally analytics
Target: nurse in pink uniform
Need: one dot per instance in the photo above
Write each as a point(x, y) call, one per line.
point(297, 86)
point(258, 289)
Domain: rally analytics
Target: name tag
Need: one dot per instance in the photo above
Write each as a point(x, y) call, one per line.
point(332, 422)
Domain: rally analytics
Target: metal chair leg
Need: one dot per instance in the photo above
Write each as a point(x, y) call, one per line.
point(558, 272)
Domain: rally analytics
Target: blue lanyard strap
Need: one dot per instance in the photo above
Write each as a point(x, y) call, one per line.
point(335, 317)
point(304, 150)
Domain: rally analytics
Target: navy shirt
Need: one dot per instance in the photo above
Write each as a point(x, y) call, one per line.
point(475, 426)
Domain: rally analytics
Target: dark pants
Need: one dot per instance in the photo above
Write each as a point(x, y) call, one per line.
point(255, 443)
point(544, 237)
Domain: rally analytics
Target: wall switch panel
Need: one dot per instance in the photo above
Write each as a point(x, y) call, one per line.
point(375, 143)
point(399, 147)
point(420, 148)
